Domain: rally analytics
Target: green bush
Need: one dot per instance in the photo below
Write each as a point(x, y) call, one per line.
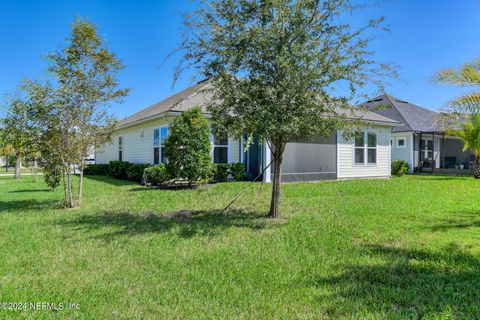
point(187, 147)
point(118, 169)
point(52, 174)
point(158, 175)
point(102, 169)
point(237, 170)
point(221, 172)
point(399, 168)
point(135, 171)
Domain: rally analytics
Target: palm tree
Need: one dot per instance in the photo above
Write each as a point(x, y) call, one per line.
point(463, 117)
point(469, 131)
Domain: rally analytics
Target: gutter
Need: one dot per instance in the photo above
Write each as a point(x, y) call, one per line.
point(165, 114)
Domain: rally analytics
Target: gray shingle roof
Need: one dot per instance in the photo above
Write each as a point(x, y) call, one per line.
point(411, 116)
point(193, 96)
point(198, 95)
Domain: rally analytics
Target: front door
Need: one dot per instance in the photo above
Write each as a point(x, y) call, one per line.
point(426, 152)
point(253, 159)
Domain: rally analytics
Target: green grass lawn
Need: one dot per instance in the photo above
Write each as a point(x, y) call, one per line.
point(22, 170)
point(403, 248)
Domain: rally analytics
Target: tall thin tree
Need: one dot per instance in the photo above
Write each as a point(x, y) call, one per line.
point(86, 83)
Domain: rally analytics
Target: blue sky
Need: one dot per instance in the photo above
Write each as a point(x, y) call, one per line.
point(425, 36)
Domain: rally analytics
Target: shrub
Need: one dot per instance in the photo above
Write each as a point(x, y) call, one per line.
point(221, 172)
point(157, 175)
point(52, 174)
point(237, 170)
point(187, 147)
point(96, 169)
point(118, 169)
point(135, 171)
point(399, 167)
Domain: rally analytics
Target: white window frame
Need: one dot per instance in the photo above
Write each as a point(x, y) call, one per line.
point(160, 145)
point(397, 139)
point(212, 137)
point(120, 147)
point(365, 149)
point(371, 148)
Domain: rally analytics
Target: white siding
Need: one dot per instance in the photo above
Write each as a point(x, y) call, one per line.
point(405, 153)
point(346, 168)
point(138, 144)
point(107, 152)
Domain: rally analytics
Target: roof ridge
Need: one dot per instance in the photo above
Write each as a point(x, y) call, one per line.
point(200, 85)
point(392, 102)
point(169, 98)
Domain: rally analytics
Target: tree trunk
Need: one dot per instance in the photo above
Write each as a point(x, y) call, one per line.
point(18, 165)
point(64, 178)
point(70, 201)
point(80, 183)
point(34, 170)
point(277, 180)
point(476, 172)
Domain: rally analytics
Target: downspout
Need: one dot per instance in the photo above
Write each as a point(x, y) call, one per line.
point(433, 153)
point(419, 152)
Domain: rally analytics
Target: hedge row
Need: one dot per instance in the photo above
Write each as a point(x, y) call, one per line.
point(158, 175)
point(118, 169)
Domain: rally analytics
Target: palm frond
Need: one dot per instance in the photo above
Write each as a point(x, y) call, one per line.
point(466, 104)
point(466, 75)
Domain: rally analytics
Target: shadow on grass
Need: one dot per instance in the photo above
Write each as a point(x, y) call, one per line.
point(110, 180)
point(27, 205)
point(30, 190)
point(412, 284)
point(185, 224)
point(470, 219)
point(434, 177)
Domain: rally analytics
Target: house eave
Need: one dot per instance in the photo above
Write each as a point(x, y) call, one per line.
point(155, 117)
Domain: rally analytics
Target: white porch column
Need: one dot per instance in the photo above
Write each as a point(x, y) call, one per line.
point(267, 157)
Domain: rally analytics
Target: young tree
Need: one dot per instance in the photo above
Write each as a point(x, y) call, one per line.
point(275, 66)
point(17, 131)
point(76, 117)
point(187, 147)
point(463, 117)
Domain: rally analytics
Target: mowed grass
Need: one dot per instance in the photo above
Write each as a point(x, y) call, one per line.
point(403, 248)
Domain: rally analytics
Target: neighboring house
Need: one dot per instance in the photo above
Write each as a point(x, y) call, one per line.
point(3, 161)
point(418, 139)
point(140, 140)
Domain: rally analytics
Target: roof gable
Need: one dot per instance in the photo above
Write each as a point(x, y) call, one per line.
point(198, 95)
point(412, 117)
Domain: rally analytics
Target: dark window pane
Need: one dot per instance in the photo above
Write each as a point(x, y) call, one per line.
point(156, 137)
point(120, 156)
point(430, 145)
point(156, 155)
point(220, 154)
point(120, 142)
point(220, 140)
point(401, 142)
point(359, 139)
point(372, 155)
point(372, 139)
point(164, 158)
point(359, 155)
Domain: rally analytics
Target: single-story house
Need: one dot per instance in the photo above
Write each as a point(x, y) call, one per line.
point(140, 137)
point(420, 140)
